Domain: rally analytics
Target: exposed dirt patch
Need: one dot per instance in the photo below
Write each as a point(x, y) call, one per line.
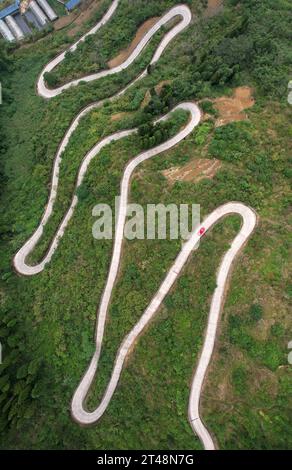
point(118, 116)
point(223, 388)
point(159, 86)
point(87, 9)
point(193, 171)
point(123, 55)
point(64, 21)
point(214, 7)
point(232, 109)
point(264, 379)
point(83, 14)
point(147, 99)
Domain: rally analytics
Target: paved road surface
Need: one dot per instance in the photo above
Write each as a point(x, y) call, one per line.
point(181, 11)
point(79, 413)
point(19, 260)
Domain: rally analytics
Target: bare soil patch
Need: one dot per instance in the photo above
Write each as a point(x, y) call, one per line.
point(158, 88)
point(79, 17)
point(161, 85)
point(232, 109)
point(64, 21)
point(264, 378)
point(147, 99)
point(124, 54)
point(224, 388)
point(193, 171)
point(118, 116)
point(214, 7)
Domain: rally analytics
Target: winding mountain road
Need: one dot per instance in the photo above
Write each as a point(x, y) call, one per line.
point(181, 11)
point(79, 413)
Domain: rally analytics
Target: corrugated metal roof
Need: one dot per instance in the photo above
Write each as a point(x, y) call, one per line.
point(9, 10)
point(72, 4)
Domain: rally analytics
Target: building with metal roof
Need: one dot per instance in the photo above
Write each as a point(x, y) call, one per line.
point(9, 10)
point(72, 4)
point(15, 24)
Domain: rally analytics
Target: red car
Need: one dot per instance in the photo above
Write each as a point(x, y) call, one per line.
point(201, 231)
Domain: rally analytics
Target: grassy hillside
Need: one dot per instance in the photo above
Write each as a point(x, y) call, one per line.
point(47, 322)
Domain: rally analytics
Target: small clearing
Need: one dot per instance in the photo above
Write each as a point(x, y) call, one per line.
point(214, 7)
point(161, 85)
point(146, 100)
point(119, 116)
point(232, 109)
point(193, 171)
point(80, 16)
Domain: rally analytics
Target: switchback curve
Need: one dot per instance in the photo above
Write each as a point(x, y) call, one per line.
point(181, 11)
point(248, 216)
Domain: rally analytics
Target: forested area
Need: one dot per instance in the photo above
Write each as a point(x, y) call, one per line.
point(47, 321)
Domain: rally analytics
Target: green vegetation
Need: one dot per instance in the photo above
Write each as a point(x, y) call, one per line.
point(47, 321)
point(58, 7)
